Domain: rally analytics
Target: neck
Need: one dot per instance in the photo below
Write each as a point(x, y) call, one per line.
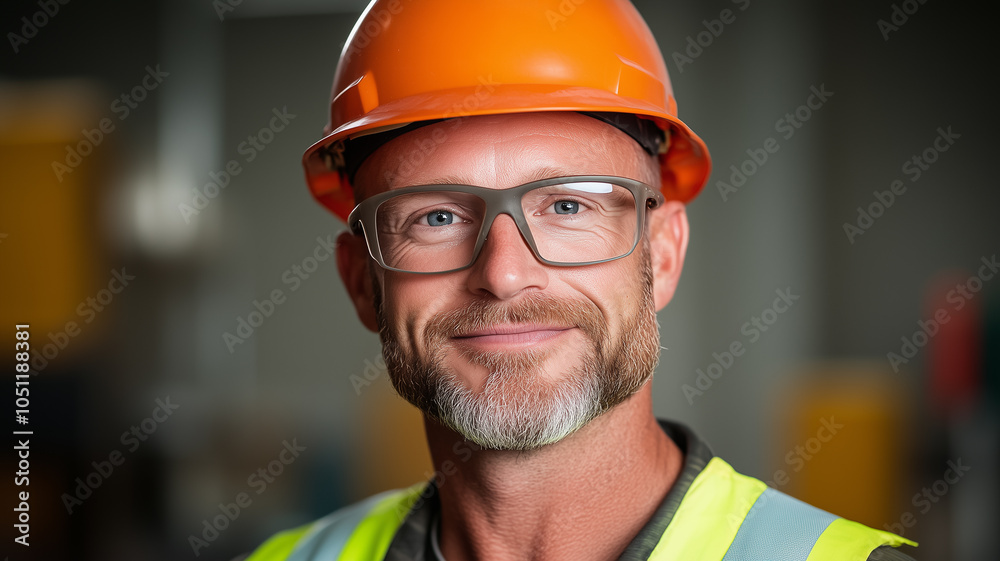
point(606, 480)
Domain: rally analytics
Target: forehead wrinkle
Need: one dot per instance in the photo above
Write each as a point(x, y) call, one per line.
point(587, 152)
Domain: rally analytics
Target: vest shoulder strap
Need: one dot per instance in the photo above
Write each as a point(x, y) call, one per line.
point(732, 517)
point(359, 532)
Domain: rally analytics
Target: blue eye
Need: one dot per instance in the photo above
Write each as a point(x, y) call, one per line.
point(567, 207)
point(440, 218)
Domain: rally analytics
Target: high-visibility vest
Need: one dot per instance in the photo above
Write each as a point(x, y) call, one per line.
point(724, 516)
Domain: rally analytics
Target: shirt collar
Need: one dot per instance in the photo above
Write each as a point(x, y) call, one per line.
point(416, 538)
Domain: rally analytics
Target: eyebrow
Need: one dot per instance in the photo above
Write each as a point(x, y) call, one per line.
point(545, 172)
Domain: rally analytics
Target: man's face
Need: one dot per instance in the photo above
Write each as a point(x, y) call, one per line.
point(512, 353)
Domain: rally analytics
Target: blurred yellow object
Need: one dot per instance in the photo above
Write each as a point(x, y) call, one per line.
point(841, 444)
point(48, 237)
point(394, 446)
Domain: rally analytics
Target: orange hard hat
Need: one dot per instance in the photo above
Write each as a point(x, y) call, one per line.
point(408, 61)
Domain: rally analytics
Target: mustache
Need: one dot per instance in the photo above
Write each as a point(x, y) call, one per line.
point(533, 308)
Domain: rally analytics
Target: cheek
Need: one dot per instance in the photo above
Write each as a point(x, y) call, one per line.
point(410, 301)
point(615, 288)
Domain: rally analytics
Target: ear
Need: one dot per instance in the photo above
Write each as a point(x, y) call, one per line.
point(668, 239)
point(352, 262)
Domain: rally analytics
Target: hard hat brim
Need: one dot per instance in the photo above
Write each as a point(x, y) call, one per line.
point(685, 166)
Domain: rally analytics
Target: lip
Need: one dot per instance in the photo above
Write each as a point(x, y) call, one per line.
point(510, 337)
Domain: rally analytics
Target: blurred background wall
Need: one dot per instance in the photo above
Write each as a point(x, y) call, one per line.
point(157, 235)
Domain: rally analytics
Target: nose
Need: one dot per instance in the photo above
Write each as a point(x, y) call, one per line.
point(506, 265)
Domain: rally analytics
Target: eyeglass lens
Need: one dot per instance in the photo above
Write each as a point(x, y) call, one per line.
point(435, 231)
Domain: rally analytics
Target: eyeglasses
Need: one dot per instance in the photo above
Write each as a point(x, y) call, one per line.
point(566, 221)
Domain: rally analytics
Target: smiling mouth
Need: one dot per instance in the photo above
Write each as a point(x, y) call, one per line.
point(511, 337)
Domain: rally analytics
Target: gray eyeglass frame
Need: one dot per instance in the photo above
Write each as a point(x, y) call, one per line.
point(362, 219)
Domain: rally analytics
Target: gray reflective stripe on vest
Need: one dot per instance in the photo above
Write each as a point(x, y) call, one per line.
point(778, 528)
point(328, 536)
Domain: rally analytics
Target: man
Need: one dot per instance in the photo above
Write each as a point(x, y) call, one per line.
point(514, 176)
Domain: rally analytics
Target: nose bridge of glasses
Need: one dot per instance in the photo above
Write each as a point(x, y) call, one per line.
point(500, 202)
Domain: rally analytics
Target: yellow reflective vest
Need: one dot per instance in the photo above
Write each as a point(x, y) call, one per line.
point(722, 516)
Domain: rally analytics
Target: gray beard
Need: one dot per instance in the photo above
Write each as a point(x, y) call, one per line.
point(518, 408)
